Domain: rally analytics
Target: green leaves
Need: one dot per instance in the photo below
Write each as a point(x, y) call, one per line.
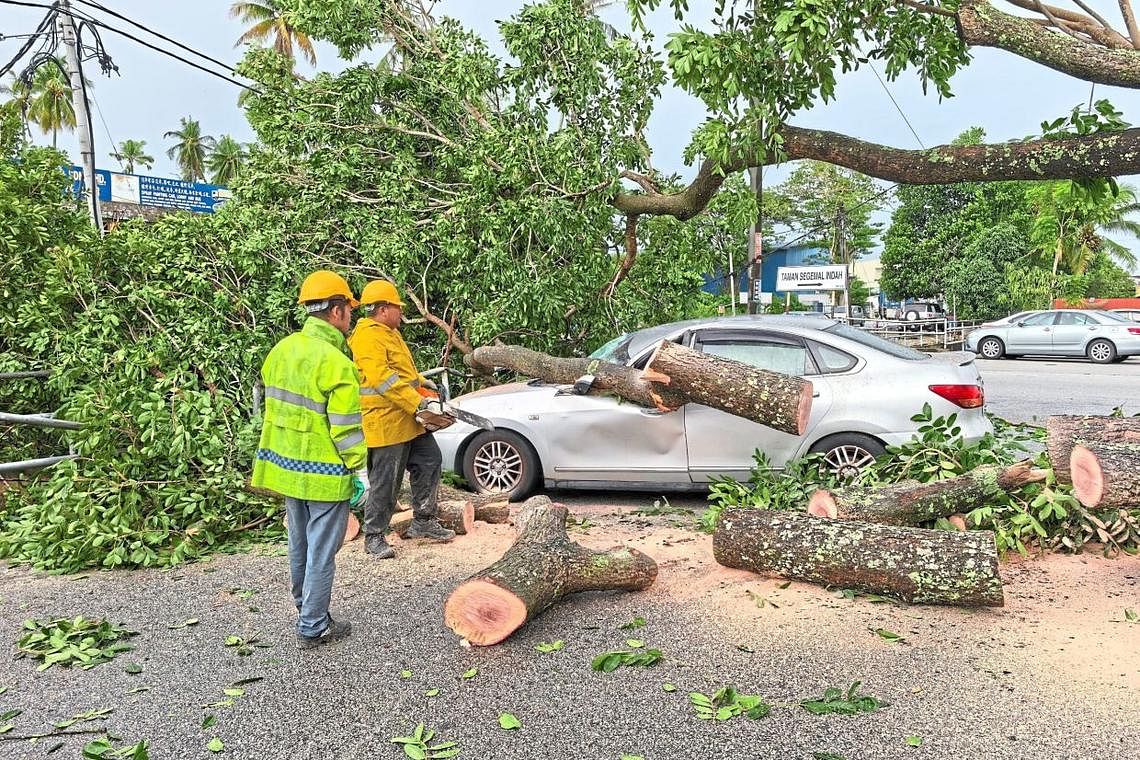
point(104, 748)
point(608, 662)
point(637, 622)
point(914, 741)
point(470, 673)
point(553, 646)
point(727, 703)
point(835, 701)
point(215, 745)
point(77, 641)
point(422, 745)
point(508, 722)
point(889, 636)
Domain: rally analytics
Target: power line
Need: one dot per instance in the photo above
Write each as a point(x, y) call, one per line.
point(897, 106)
point(114, 145)
point(811, 231)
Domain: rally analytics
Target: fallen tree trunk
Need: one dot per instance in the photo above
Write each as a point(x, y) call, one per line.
point(912, 564)
point(1063, 430)
point(912, 503)
point(541, 568)
point(782, 402)
point(496, 512)
point(609, 378)
point(458, 516)
point(1106, 474)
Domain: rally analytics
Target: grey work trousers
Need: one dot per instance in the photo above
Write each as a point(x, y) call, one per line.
point(316, 531)
point(423, 461)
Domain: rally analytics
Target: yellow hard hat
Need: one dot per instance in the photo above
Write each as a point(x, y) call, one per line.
point(323, 285)
point(380, 291)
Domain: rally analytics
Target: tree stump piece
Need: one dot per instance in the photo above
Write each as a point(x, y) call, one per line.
point(496, 512)
point(458, 516)
point(782, 402)
point(912, 503)
point(912, 564)
point(1063, 430)
point(1106, 474)
point(541, 568)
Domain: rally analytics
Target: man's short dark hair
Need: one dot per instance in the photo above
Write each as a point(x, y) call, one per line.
point(333, 302)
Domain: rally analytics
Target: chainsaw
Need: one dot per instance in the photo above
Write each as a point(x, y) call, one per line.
point(436, 414)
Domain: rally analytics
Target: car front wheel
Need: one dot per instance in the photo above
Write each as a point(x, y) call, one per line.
point(501, 462)
point(848, 454)
point(1101, 351)
point(991, 348)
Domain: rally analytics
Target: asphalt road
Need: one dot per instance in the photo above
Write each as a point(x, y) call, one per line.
point(1024, 390)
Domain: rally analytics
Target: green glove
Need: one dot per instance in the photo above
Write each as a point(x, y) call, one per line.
point(359, 488)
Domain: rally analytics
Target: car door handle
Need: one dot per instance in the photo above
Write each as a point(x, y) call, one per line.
point(651, 412)
point(815, 395)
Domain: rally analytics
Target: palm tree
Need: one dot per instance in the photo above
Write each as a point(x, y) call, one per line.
point(133, 152)
point(268, 20)
point(225, 160)
point(47, 102)
point(1068, 221)
point(190, 149)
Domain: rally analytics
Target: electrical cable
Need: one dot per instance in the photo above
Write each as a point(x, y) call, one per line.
point(811, 231)
point(897, 106)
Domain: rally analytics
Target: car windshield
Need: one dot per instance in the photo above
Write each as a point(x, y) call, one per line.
point(616, 350)
point(875, 342)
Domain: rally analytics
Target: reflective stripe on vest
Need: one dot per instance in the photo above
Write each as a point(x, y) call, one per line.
point(344, 419)
point(349, 441)
point(382, 387)
point(289, 397)
point(301, 465)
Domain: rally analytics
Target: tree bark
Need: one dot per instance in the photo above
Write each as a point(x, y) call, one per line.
point(542, 567)
point(912, 503)
point(458, 516)
point(609, 378)
point(912, 564)
point(779, 401)
point(1106, 474)
point(1063, 430)
point(495, 512)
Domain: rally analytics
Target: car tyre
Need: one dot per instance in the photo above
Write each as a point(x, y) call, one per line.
point(848, 454)
point(501, 462)
point(1101, 351)
point(991, 348)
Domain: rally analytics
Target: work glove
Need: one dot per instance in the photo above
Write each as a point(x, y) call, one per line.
point(360, 488)
point(433, 405)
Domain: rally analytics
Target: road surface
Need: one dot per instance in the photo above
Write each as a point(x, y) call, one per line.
point(1024, 390)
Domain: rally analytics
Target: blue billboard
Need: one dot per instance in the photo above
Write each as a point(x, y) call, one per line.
point(160, 192)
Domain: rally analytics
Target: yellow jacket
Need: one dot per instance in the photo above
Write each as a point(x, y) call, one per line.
point(388, 395)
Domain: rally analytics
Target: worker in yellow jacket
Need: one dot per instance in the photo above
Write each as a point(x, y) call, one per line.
point(312, 448)
point(389, 400)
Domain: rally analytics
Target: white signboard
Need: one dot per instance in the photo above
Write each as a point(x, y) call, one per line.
point(811, 278)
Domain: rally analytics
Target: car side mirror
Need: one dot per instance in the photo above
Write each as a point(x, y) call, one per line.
point(1021, 324)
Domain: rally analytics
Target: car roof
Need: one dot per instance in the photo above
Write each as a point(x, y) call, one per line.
point(802, 324)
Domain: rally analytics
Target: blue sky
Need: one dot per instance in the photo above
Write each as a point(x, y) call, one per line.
point(1006, 95)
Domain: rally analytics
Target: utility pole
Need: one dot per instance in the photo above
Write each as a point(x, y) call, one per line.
point(756, 244)
point(843, 256)
point(82, 108)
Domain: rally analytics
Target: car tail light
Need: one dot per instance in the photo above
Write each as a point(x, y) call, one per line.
point(965, 396)
point(1134, 330)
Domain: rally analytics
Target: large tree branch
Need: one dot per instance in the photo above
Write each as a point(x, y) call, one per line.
point(1112, 62)
point(1130, 22)
point(1104, 154)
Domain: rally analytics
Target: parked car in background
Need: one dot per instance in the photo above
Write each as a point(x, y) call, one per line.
point(866, 390)
point(1102, 336)
point(913, 312)
point(1011, 319)
point(858, 315)
point(1133, 315)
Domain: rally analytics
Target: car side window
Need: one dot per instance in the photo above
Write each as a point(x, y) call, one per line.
point(1072, 318)
point(833, 360)
point(788, 358)
point(1045, 318)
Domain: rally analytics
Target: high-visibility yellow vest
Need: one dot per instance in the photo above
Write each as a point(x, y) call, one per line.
point(388, 395)
point(311, 436)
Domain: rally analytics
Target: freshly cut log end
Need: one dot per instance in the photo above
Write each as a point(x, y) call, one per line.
point(822, 504)
point(803, 416)
point(484, 613)
point(958, 521)
point(1106, 474)
point(1063, 431)
point(912, 564)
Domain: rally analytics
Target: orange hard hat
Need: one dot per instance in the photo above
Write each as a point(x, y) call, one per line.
point(323, 285)
point(380, 291)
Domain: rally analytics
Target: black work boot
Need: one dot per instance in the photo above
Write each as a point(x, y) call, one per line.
point(430, 529)
point(333, 632)
point(378, 547)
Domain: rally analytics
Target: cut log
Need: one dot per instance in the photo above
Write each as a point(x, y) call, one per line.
point(1106, 474)
point(912, 564)
point(782, 402)
point(1063, 430)
point(609, 378)
point(541, 568)
point(496, 512)
point(912, 503)
point(458, 516)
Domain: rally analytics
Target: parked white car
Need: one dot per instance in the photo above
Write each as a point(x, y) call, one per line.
point(1102, 336)
point(866, 390)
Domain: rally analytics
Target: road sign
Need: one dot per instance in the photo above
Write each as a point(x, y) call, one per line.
point(162, 192)
point(811, 278)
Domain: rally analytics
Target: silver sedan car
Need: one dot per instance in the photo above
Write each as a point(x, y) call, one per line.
point(866, 390)
point(1102, 336)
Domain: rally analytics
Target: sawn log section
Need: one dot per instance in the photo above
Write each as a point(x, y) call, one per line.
point(1063, 430)
point(912, 564)
point(542, 567)
point(1106, 474)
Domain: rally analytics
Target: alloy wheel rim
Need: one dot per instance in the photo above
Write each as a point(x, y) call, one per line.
point(498, 466)
point(1100, 351)
point(847, 461)
point(989, 349)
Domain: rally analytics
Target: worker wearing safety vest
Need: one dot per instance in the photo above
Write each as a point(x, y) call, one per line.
point(389, 400)
point(312, 448)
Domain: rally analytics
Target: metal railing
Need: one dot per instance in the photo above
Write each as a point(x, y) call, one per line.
point(43, 420)
point(925, 334)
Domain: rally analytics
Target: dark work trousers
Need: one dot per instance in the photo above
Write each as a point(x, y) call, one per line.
point(423, 461)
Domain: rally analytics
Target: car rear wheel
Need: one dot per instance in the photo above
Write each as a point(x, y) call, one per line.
point(848, 454)
point(501, 462)
point(991, 348)
point(1101, 351)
